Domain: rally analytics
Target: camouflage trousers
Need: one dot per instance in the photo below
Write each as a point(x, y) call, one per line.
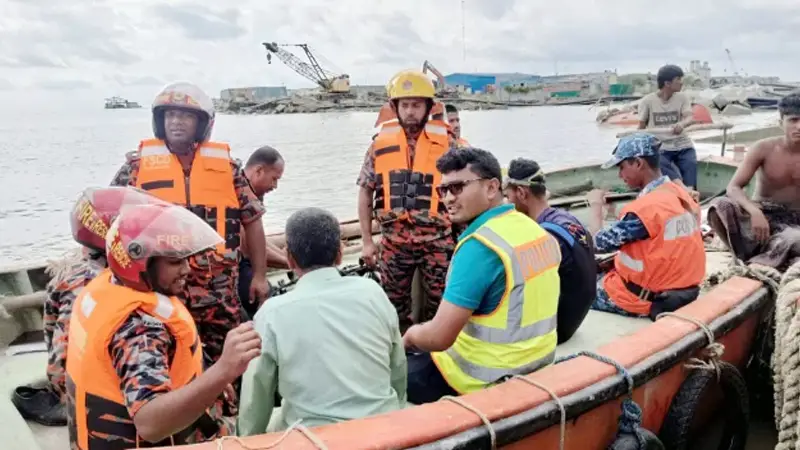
point(214, 304)
point(398, 261)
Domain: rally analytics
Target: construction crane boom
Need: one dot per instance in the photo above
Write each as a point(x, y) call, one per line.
point(313, 71)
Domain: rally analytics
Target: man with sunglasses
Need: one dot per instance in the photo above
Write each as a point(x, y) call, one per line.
point(525, 187)
point(498, 314)
point(660, 256)
point(397, 183)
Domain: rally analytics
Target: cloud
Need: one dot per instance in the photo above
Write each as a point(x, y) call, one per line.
point(127, 47)
point(199, 22)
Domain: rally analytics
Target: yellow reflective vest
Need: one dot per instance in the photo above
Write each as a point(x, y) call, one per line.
point(519, 336)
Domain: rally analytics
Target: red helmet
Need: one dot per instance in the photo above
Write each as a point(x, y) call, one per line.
point(96, 208)
point(145, 231)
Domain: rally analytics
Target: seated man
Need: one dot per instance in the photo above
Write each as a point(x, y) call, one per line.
point(498, 313)
point(331, 346)
point(752, 228)
point(525, 188)
point(135, 373)
point(660, 258)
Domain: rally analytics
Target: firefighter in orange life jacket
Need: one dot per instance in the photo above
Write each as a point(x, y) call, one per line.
point(660, 257)
point(455, 124)
point(89, 220)
point(397, 189)
point(134, 361)
point(182, 166)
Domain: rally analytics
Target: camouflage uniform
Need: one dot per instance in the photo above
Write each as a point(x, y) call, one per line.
point(141, 352)
point(211, 288)
point(424, 243)
point(62, 290)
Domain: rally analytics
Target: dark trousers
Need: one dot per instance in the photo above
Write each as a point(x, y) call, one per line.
point(686, 162)
point(245, 277)
point(425, 383)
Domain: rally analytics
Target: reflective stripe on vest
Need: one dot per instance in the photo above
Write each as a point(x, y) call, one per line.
point(208, 191)
point(403, 185)
point(95, 403)
point(501, 343)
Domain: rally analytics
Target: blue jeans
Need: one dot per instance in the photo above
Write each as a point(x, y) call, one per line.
point(686, 162)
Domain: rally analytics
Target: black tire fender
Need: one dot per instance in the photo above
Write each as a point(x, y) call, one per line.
point(736, 408)
point(631, 442)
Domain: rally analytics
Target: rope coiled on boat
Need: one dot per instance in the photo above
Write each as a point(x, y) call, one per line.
point(295, 426)
point(561, 408)
point(786, 360)
point(630, 421)
point(713, 351)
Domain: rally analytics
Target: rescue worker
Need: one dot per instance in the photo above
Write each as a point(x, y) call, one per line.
point(525, 187)
point(454, 120)
point(182, 166)
point(134, 362)
point(660, 257)
point(263, 170)
point(498, 315)
point(397, 183)
point(89, 220)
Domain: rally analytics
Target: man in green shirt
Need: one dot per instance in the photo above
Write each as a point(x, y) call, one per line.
point(331, 347)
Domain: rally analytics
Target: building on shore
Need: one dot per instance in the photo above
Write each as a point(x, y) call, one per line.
point(256, 94)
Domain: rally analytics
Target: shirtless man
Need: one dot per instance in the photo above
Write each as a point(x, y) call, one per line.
point(748, 226)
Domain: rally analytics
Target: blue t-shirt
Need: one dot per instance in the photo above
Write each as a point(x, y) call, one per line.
point(477, 276)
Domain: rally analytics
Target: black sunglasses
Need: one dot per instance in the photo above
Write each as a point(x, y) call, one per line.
point(455, 188)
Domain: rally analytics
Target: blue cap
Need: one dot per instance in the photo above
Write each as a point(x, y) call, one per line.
point(634, 146)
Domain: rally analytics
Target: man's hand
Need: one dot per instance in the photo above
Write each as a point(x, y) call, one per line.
point(677, 129)
point(242, 345)
point(596, 197)
point(259, 290)
point(759, 225)
point(408, 338)
point(369, 253)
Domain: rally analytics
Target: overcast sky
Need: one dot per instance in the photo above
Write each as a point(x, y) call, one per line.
point(132, 47)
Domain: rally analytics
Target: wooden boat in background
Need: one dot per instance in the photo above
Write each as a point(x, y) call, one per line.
point(521, 415)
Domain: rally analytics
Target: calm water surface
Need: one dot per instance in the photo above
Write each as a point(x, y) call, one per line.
point(48, 156)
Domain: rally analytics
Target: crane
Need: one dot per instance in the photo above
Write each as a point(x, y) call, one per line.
point(442, 89)
point(329, 81)
point(733, 65)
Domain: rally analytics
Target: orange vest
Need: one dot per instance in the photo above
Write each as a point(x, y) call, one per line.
point(672, 258)
point(403, 190)
point(208, 191)
point(95, 401)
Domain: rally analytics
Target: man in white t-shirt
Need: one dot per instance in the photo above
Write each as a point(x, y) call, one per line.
point(669, 108)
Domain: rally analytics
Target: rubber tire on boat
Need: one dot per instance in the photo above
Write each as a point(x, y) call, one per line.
point(631, 442)
point(736, 408)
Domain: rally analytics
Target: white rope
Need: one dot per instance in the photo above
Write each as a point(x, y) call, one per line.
point(486, 422)
point(712, 352)
point(556, 399)
point(295, 426)
point(786, 360)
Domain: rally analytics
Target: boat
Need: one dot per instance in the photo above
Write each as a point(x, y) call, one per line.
point(514, 414)
point(120, 103)
point(628, 115)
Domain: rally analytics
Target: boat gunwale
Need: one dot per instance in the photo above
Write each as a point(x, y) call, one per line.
point(526, 423)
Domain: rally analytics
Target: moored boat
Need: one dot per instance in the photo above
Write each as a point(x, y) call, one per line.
point(519, 414)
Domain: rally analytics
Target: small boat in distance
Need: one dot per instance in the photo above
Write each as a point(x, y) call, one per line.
point(120, 103)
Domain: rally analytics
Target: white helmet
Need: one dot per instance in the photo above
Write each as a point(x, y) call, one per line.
point(186, 96)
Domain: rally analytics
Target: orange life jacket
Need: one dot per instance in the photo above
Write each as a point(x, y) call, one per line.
point(404, 188)
point(99, 417)
point(208, 191)
point(672, 258)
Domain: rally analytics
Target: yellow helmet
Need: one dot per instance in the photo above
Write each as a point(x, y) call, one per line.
point(410, 83)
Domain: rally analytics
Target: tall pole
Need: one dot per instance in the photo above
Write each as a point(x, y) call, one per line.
point(463, 34)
